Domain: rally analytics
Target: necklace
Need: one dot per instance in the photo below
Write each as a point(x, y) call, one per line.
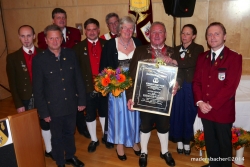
point(123, 44)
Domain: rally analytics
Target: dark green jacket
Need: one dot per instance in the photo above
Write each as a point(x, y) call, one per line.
point(19, 79)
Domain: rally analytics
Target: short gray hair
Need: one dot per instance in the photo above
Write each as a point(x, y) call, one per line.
point(52, 27)
point(111, 15)
point(158, 23)
point(124, 20)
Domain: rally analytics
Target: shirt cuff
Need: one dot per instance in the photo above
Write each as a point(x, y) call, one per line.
point(197, 103)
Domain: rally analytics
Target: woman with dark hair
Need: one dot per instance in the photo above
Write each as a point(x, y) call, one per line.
point(183, 109)
point(123, 125)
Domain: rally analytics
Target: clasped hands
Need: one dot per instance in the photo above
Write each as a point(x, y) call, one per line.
point(204, 107)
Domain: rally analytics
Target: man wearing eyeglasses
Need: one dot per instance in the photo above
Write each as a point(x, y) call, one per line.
point(112, 20)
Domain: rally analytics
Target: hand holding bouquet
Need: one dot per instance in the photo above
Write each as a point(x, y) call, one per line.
point(112, 81)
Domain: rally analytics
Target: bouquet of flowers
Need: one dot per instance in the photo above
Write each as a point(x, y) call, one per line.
point(114, 81)
point(240, 138)
point(199, 141)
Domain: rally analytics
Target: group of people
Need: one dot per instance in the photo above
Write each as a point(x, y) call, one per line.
point(60, 102)
point(58, 76)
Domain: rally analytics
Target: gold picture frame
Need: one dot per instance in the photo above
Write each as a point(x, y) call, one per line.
point(153, 88)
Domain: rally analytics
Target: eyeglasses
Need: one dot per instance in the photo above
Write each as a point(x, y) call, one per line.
point(126, 29)
point(113, 23)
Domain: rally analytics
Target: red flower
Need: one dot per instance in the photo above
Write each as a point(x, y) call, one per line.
point(122, 78)
point(199, 141)
point(105, 81)
point(110, 80)
point(201, 137)
point(234, 138)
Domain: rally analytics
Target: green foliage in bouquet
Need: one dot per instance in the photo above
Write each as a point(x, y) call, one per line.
point(112, 81)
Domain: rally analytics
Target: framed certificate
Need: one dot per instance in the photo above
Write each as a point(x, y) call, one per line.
point(153, 88)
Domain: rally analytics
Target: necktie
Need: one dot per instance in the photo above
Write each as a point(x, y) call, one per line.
point(213, 59)
point(94, 49)
point(64, 41)
point(30, 53)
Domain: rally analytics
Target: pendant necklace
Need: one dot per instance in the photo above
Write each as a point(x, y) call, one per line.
point(124, 45)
